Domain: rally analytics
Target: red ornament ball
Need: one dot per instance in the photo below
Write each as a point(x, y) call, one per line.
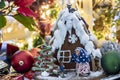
point(22, 61)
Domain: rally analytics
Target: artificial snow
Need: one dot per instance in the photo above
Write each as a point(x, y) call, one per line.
point(65, 23)
point(112, 77)
point(96, 53)
point(44, 74)
point(71, 76)
point(72, 39)
point(89, 47)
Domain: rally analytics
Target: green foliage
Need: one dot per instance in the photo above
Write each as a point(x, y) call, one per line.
point(2, 4)
point(28, 22)
point(37, 41)
point(110, 62)
point(105, 19)
point(25, 47)
point(99, 35)
point(2, 21)
point(8, 10)
point(53, 13)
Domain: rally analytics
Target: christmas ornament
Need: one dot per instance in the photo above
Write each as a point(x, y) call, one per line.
point(45, 61)
point(9, 49)
point(110, 62)
point(6, 52)
point(22, 61)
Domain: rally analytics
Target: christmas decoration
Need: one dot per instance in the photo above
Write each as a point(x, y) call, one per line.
point(80, 56)
point(6, 52)
point(71, 29)
point(62, 67)
point(10, 49)
point(22, 61)
point(45, 61)
point(109, 46)
point(24, 7)
point(82, 59)
point(110, 62)
point(19, 10)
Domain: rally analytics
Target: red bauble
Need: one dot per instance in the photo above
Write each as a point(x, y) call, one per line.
point(22, 61)
point(10, 49)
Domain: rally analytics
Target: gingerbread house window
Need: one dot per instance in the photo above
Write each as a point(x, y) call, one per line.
point(64, 56)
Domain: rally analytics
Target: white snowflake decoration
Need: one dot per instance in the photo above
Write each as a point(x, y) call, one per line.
point(72, 39)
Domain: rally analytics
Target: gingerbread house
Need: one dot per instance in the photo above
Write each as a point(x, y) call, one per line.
point(71, 31)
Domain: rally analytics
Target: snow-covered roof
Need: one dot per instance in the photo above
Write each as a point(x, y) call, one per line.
point(65, 23)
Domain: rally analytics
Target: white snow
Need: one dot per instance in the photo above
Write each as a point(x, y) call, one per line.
point(89, 47)
point(44, 74)
point(72, 39)
point(96, 53)
point(62, 27)
point(57, 40)
point(65, 22)
point(71, 76)
point(112, 77)
point(67, 77)
point(96, 74)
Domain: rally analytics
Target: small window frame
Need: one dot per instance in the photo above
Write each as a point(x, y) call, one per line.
point(61, 56)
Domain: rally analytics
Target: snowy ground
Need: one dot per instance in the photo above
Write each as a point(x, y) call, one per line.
point(71, 76)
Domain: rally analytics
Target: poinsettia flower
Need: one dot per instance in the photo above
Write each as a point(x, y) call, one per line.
point(23, 2)
point(26, 12)
point(24, 7)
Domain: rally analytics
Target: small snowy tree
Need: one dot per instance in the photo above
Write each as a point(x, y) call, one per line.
point(45, 61)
